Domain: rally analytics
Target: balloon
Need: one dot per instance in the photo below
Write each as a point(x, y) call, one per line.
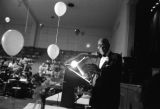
point(12, 42)
point(53, 51)
point(60, 8)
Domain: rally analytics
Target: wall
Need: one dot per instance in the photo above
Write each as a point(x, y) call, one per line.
point(67, 39)
point(121, 39)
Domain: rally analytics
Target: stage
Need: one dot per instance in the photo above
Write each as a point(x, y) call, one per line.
point(53, 102)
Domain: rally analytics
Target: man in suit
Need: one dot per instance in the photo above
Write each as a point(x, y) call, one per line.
point(105, 93)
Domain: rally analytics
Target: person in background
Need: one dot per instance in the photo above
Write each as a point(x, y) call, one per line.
point(42, 69)
point(105, 93)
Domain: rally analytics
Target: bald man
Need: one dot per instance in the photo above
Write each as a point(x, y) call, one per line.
point(105, 93)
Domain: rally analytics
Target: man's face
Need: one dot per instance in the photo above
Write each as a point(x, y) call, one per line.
point(103, 47)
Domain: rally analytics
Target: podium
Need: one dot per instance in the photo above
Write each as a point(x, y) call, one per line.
point(71, 80)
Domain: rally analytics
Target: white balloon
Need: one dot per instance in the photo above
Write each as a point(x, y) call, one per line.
point(53, 51)
point(60, 8)
point(12, 42)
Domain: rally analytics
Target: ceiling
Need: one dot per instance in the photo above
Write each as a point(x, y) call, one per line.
point(84, 14)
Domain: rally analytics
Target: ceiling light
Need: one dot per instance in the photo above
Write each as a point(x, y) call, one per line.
point(7, 19)
point(153, 7)
point(88, 45)
point(41, 25)
point(77, 31)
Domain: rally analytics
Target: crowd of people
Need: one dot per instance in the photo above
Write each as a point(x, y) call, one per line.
point(18, 72)
point(17, 68)
point(53, 69)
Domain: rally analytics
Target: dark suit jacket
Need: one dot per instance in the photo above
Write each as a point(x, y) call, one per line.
point(106, 92)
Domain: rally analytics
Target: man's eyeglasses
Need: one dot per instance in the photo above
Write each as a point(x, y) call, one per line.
point(100, 45)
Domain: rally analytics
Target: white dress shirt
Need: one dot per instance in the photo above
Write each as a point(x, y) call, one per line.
point(103, 60)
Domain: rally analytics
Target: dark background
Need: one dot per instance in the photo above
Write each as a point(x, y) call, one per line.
point(146, 53)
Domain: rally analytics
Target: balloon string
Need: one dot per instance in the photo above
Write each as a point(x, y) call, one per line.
point(57, 30)
point(27, 20)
